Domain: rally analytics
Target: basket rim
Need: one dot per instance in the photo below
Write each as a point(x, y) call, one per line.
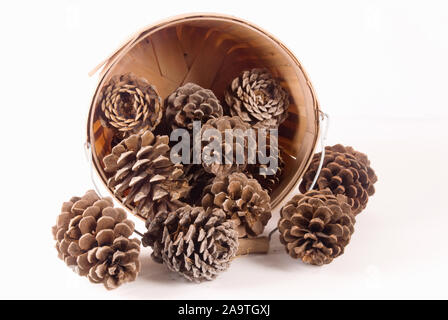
point(106, 65)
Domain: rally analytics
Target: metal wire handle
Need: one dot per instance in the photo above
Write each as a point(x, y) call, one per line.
point(323, 139)
point(89, 156)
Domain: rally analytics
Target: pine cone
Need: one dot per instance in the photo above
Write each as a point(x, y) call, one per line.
point(344, 171)
point(242, 199)
point(271, 179)
point(143, 175)
point(73, 208)
point(129, 104)
point(93, 236)
point(316, 226)
point(196, 243)
point(191, 103)
point(257, 98)
point(235, 125)
point(197, 178)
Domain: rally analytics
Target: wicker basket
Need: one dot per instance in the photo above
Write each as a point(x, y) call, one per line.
point(211, 50)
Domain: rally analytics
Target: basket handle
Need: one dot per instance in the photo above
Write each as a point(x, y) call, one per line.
point(116, 53)
point(89, 156)
point(323, 139)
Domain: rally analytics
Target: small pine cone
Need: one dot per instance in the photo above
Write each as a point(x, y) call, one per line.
point(344, 171)
point(257, 98)
point(197, 243)
point(191, 103)
point(143, 175)
point(316, 226)
point(197, 178)
point(93, 236)
point(234, 125)
point(268, 180)
point(243, 200)
point(129, 104)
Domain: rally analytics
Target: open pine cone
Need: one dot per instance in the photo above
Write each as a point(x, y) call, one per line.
point(143, 175)
point(192, 241)
point(129, 104)
point(73, 208)
point(93, 236)
point(257, 98)
point(221, 125)
point(191, 103)
point(316, 226)
point(344, 171)
point(243, 200)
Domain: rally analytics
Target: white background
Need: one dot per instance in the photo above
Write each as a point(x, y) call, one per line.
point(380, 70)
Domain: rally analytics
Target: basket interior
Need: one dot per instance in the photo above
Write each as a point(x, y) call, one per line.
point(212, 51)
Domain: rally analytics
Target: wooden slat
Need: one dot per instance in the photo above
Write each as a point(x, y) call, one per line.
point(209, 60)
point(191, 41)
point(169, 54)
point(142, 61)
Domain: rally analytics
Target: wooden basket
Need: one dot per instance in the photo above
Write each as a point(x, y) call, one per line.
point(211, 50)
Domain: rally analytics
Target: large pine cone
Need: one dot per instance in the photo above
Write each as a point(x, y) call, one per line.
point(93, 236)
point(196, 243)
point(257, 98)
point(191, 103)
point(143, 175)
point(129, 104)
point(344, 171)
point(269, 178)
point(316, 226)
point(243, 200)
point(235, 125)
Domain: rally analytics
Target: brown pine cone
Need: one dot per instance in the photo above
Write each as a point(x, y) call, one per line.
point(243, 200)
point(221, 125)
point(191, 103)
point(93, 236)
point(142, 174)
point(192, 241)
point(129, 104)
point(316, 226)
point(344, 171)
point(73, 208)
point(270, 179)
point(257, 98)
